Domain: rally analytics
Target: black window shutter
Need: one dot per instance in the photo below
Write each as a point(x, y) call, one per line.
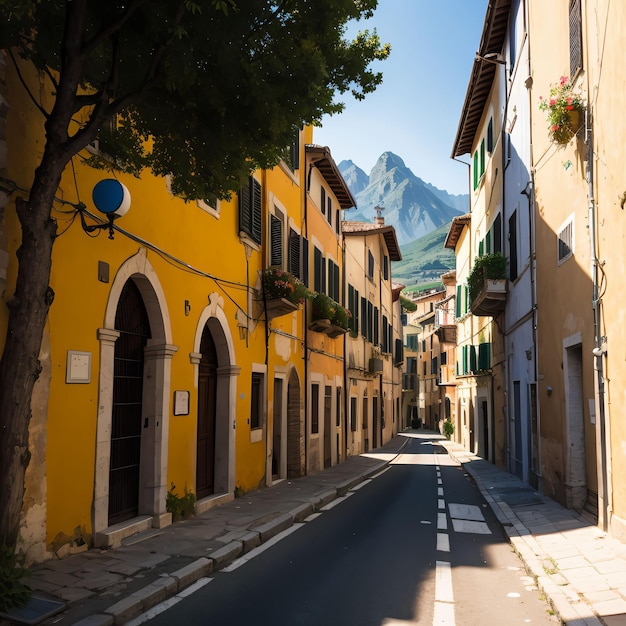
point(323, 273)
point(370, 321)
point(337, 221)
point(323, 200)
point(294, 253)
point(337, 285)
point(351, 319)
point(256, 211)
point(375, 326)
point(490, 136)
point(370, 265)
point(276, 241)
point(317, 270)
point(305, 262)
point(329, 212)
point(245, 210)
point(575, 38)
point(331, 279)
point(386, 267)
point(363, 317)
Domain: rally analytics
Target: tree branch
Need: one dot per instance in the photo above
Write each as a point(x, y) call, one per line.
point(28, 91)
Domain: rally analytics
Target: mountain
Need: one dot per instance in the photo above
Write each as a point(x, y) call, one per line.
point(424, 260)
point(413, 207)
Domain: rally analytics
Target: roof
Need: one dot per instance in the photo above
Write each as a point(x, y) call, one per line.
point(367, 228)
point(456, 228)
point(483, 72)
point(396, 290)
point(320, 156)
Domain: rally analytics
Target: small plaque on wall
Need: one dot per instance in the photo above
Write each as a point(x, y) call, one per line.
point(78, 370)
point(181, 403)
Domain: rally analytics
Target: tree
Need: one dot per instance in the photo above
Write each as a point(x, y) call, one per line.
point(240, 76)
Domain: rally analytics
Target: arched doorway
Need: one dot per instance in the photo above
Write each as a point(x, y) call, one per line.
point(207, 403)
point(131, 320)
point(295, 428)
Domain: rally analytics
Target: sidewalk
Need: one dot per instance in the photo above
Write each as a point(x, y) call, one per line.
point(581, 570)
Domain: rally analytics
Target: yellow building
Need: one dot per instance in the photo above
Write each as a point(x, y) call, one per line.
point(327, 196)
point(165, 366)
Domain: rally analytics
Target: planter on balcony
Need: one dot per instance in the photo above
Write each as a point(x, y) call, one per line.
point(335, 331)
point(279, 306)
point(319, 326)
point(491, 299)
point(375, 366)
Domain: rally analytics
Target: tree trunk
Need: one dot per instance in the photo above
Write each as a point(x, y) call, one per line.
point(28, 309)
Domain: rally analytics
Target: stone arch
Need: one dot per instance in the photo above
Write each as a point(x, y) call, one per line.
point(215, 321)
point(155, 405)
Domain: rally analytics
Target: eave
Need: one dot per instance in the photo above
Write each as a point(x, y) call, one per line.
point(320, 157)
point(482, 76)
point(455, 230)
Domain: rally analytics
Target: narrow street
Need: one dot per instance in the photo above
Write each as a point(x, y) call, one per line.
point(415, 545)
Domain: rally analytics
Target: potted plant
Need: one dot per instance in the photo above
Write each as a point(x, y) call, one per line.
point(328, 316)
point(486, 267)
point(282, 291)
point(565, 109)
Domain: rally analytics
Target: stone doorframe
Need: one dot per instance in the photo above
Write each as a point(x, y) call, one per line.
point(155, 411)
point(214, 318)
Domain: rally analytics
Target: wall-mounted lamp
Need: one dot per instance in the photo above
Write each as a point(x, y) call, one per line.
point(187, 307)
point(243, 332)
point(111, 198)
point(492, 57)
point(549, 390)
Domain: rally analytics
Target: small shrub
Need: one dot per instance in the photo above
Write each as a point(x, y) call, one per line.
point(181, 507)
point(448, 428)
point(13, 592)
point(491, 266)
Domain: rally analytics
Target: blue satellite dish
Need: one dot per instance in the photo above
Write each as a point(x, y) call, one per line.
point(111, 197)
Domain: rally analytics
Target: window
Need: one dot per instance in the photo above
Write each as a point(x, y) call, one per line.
point(565, 241)
point(484, 356)
point(250, 210)
point(210, 204)
point(337, 221)
point(277, 220)
point(411, 342)
point(256, 400)
point(328, 405)
point(322, 200)
point(319, 271)
point(353, 416)
point(333, 280)
point(385, 267)
point(365, 414)
point(513, 246)
point(315, 408)
point(482, 157)
point(497, 233)
point(294, 253)
point(375, 326)
point(292, 154)
point(353, 307)
point(329, 210)
point(363, 316)
point(370, 321)
point(338, 408)
point(385, 337)
point(399, 352)
point(490, 136)
point(575, 38)
point(370, 265)
point(475, 170)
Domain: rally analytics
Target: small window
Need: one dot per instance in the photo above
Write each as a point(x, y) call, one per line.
point(294, 253)
point(338, 408)
point(323, 200)
point(575, 38)
point(256, 400)
point(353, 416)
point(475, 170)
point(276, 238)
point(315, 408)
point(370, 265)
point(329, 210)
point(565, 241)
point(337, 221)
point(513, 246)
point(386, 267)
point(490, 136)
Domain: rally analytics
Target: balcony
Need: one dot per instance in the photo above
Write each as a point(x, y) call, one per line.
point(328, 316)
point(488, 285)
point(446, 333)
point(276, 307)
point(491, 298)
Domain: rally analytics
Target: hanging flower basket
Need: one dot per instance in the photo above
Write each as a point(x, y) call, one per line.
point(565, 109)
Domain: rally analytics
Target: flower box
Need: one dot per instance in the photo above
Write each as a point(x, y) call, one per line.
point(279, 306)
point(491, 299)
point(334, 331)
point(319, 326)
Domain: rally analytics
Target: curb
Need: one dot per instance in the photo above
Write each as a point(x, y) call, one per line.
point(169, 585)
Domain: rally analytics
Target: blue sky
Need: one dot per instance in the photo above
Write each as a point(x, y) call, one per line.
point(415, 112)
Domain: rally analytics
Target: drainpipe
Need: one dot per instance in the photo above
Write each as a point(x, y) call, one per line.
point(599, 342)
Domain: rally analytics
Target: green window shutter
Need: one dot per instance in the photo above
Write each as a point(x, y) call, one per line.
point(337, 292)
point(475, 169)
point(305, 261)
point(481, 248)
point(472, 358)
point(375, 329)
point(363, 316)
point(458, 300)
point(484, 356)
point(488, 242)
point(482, 157)
point(465, 359)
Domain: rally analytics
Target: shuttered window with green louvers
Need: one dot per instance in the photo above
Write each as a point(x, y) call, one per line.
point(276, 241)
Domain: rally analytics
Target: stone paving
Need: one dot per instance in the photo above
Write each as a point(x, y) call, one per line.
point(580, 569)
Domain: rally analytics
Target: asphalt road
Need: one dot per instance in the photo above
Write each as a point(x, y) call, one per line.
point(415, 545)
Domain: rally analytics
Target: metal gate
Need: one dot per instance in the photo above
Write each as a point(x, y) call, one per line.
point(131, 320)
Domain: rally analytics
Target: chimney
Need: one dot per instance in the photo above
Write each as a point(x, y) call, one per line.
point(379, 219)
